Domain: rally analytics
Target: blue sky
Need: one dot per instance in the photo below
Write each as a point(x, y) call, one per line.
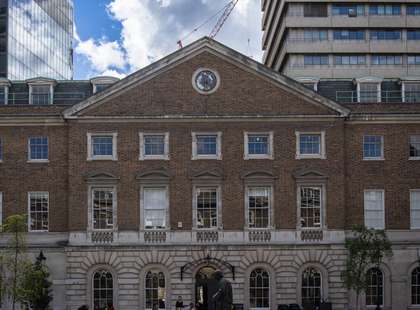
point(117, 37)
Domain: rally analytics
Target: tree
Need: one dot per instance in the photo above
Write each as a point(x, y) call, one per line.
point(14, 260)
point(35, 287)
point(365, 248)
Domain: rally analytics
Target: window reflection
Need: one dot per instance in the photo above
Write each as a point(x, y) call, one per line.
point(39, 39)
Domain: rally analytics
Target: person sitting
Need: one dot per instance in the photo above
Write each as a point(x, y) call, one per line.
point(179, 305)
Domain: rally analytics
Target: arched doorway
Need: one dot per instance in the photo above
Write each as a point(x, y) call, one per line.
point(205, 288)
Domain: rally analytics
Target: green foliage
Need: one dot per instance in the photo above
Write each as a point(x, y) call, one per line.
point(21, 280)
point(13, 259)
point(35, 288)
point(366, 248)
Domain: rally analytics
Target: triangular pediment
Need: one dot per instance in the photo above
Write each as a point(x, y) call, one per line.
point(213, 174)
point(100, 176)
point(258, 174)
point(165, 90)
point(309, 174)
point(154, 174)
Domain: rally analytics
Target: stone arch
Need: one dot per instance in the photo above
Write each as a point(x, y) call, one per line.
point(154, 257)
point(260, 256)
point(320, 257)
point(101, 257)
point(215, 258)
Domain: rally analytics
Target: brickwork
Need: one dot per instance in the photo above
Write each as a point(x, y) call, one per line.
point(249, 99)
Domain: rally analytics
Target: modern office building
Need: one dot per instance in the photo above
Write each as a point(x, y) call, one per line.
point(370, 50)
point(36, 38)
point(209, 160)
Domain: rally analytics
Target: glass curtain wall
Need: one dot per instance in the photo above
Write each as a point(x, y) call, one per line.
point(40, 38)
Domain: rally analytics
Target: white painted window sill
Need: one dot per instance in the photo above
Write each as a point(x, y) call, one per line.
point(205, 157)
point(102, 158)
point(260, 156)
point(310, 157)
point(154, 157)
point(38, 161)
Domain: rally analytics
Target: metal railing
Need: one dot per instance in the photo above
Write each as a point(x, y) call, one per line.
point(375, 96)
point(45, 98)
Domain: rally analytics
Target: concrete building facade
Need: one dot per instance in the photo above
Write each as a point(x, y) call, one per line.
point(204, 160)
point(365, 43)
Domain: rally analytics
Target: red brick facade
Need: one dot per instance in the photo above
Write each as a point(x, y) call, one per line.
point(250, 98)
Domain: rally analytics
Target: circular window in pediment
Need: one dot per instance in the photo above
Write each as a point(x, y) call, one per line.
point(205, 81)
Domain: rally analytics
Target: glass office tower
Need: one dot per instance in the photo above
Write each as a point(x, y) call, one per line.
point(36, 38)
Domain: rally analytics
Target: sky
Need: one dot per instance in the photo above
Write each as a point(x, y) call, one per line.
point(118, 37)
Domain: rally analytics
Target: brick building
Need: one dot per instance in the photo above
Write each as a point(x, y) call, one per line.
point(138, 191)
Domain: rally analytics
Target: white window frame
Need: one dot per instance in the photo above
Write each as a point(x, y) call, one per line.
point(1, 208)
point(269, 288)
point(412, 224)
point(383, 289)
point(270, 206)
point(143, 209)
point(143, 156)
point(1, 150)
point(217, 156)
point(403, 88)
point(382, 157)
point(269, 155)
point(369, 80)
point(30, 160)
point(321, 288)
point(6, 93)
point(145, 288)
point(409, 143)
point(29, 210)
point(92, 278)
point(90, 155)
point(102, 80)
point(218, 207)
point(322, 147)
point(322, 215)
point(51, 92)
point(383, 207)
point(309, 80)
point(91, 192)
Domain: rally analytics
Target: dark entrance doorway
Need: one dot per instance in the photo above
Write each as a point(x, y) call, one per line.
point(205, 288)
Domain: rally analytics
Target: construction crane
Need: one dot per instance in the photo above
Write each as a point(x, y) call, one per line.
point(227, 10)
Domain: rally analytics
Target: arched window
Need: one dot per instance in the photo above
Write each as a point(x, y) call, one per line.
point(155, 290)
point(415, 286)
point(103, 289)
point(375, 287)
point(311, 287)
point(259, 289)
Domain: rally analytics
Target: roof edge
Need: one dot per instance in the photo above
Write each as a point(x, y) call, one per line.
point(202, 44)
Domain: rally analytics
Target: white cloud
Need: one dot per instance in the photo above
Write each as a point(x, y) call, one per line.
point(139, 28)
point(103, 55)
point(151, 28)
point(113, 73)
point(164, 3)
